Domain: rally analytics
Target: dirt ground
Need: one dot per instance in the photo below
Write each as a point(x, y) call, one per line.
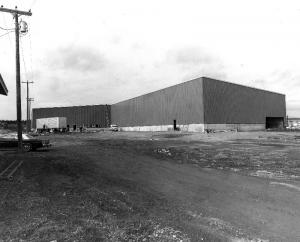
point(118, 186)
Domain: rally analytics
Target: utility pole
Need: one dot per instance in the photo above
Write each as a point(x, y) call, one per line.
point(28, 106)
point(16, 13)
point(29, 112)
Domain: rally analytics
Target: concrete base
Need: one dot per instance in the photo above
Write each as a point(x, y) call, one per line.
point(197, 127)
point(237, 127)
point(183, 127)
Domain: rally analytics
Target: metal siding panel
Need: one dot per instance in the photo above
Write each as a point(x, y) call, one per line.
point(236, 104)
point(69, 116)
point(84, 116)
point(91, 115)
point(81, 116)
point(87, 115)
point(78, 116)
point(109, 115)
point(72, 113)
point(102, 116)
point(182, 102)
point(97, 116)
point(94, 115)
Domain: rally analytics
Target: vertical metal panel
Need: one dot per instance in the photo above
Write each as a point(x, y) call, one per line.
point(232, 103)
point(79, 115)
point(94, 118)
point(108, 113)
point(182, 102)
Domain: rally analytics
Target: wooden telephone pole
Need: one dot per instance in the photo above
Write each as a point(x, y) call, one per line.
point(28, 99)
point(16, 13)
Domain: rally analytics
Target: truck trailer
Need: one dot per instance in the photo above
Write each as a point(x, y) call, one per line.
point(52, 124)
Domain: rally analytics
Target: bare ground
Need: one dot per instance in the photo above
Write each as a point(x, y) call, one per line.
point(155, 187)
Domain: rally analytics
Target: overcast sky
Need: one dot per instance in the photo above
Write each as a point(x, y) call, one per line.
point(102, 52)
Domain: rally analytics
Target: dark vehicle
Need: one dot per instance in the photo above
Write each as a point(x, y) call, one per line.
point(29, 142)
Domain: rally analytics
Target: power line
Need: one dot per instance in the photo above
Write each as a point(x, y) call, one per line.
point(23, 59)
point(11, 44)
point(31, 57)
point(6, 28)
point(6, 33)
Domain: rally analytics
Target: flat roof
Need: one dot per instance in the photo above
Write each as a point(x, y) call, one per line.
point(3, 88)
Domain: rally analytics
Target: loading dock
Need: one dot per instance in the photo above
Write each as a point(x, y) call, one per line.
point(274, 122)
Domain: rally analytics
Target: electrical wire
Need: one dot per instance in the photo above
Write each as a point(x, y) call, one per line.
point(10, 41)
point(23, 59)
point(31, 57)
point(6, 33)
point(24, 73)
point(6, 28)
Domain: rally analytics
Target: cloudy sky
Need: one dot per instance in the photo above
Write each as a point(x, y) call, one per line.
point(102, 52)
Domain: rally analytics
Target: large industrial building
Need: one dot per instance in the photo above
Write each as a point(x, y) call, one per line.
point(197, 105)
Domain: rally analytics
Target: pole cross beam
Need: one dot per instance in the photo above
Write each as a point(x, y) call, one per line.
point(16, 14)
point(15, 11)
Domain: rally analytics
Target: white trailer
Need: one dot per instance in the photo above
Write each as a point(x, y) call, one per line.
point(51, 124)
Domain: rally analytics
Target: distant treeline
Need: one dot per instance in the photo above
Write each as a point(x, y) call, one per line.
point(11, 121)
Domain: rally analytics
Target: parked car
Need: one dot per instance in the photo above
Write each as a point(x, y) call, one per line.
point(29, 142)
point(114, 127)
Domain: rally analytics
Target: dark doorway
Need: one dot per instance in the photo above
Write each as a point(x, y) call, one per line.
point(74, 127)
point(274, 122)
point(174, 124)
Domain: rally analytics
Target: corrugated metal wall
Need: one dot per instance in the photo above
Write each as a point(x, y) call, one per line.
point(231, 103)
point(79, 115)
point(182, 102)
